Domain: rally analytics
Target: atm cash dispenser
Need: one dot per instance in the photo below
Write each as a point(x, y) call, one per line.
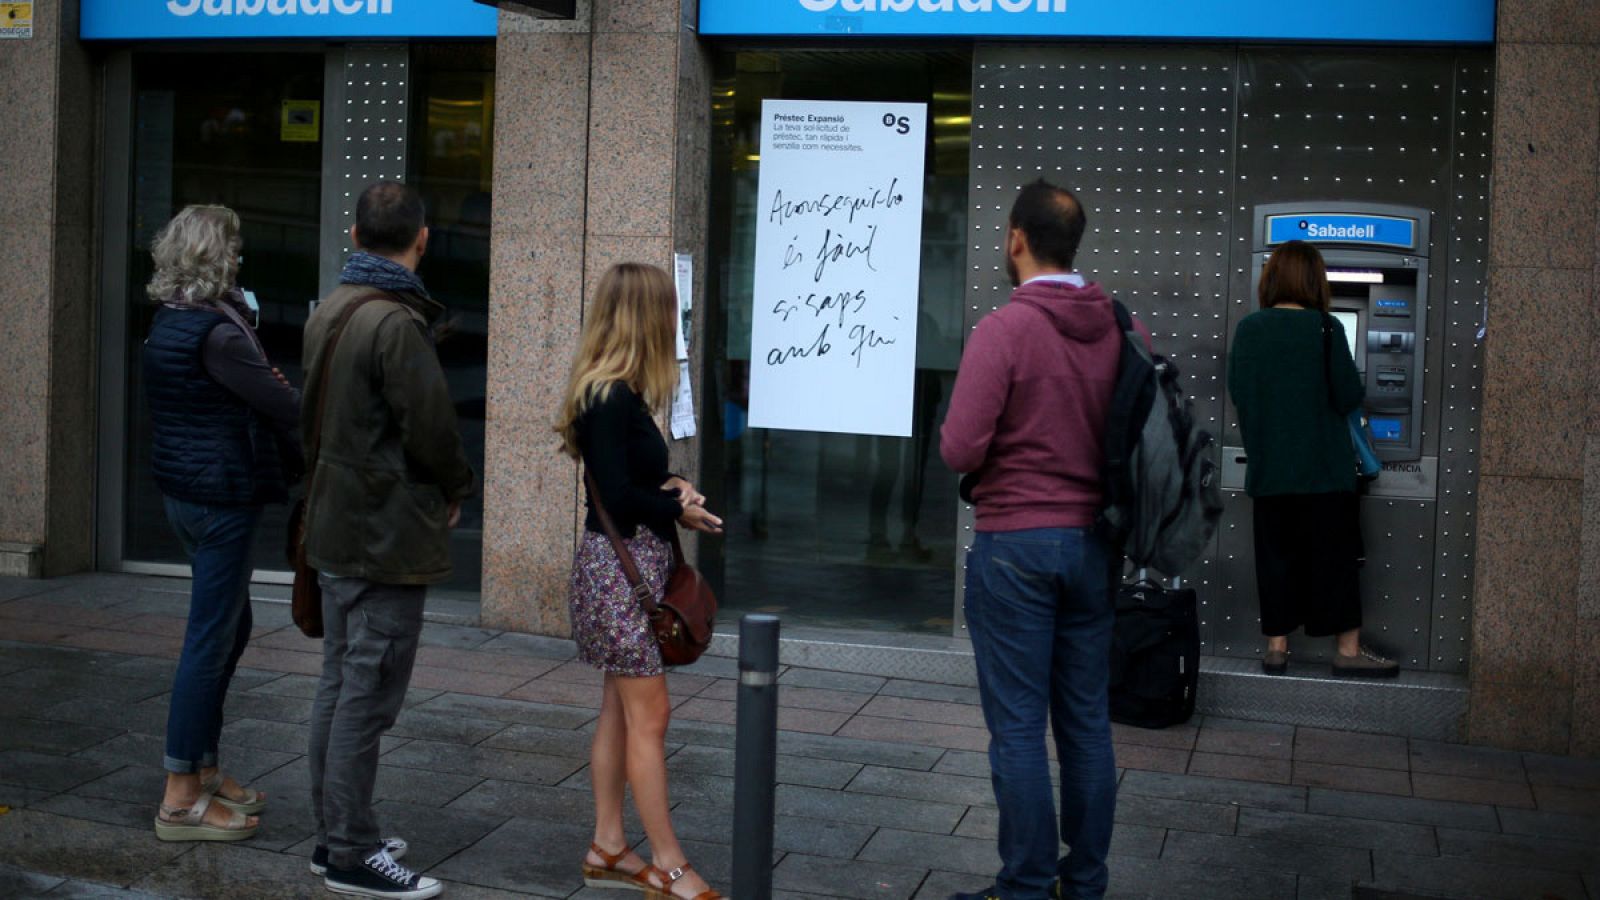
point(1377, 258)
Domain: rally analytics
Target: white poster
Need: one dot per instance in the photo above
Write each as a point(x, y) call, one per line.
point(838, 247)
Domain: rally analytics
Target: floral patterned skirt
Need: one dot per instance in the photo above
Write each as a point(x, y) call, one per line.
point(608, 623)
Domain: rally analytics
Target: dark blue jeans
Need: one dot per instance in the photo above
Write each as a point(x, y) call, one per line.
point(217, 540)
point(1039, 609)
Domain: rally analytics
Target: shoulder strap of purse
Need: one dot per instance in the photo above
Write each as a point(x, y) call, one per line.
point(1327, 358)
point(314, 439)
point(641, 591)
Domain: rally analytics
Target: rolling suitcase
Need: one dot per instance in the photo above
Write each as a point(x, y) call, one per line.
point(1155, 655)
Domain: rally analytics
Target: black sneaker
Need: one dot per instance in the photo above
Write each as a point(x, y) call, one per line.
point(397, 848)
point(380, 876)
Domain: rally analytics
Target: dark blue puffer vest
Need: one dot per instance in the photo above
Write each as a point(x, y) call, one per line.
point(209, 446)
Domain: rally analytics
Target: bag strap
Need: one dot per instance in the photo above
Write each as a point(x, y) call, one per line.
point(314, 440)
point(641, 591)
point(1327, 359)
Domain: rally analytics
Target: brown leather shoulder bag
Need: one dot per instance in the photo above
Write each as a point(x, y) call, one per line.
point(685, 616)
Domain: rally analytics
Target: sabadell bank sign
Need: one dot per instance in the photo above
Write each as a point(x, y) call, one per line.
point(130, 20)
point(1411, 21)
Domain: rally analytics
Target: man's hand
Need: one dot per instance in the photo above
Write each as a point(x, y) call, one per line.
point(455, 513)
point(687, 495)
point(278, 374)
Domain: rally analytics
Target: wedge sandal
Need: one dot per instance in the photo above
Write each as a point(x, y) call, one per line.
point(609, 876)
point(662, 888)
point(189, 824)
point(253, 806)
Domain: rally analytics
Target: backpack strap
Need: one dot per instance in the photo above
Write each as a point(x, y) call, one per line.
point(1124, 318)
point(1327, 359)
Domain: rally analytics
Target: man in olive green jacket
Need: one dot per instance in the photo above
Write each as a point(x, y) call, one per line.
point(386, 489)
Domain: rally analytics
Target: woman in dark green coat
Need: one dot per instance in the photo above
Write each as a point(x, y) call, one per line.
point(1293, 406)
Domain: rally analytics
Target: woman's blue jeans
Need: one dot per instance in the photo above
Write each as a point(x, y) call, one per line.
point(1039, 609)
point(217, 540)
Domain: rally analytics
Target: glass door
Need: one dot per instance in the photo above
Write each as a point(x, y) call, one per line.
point(243, 131)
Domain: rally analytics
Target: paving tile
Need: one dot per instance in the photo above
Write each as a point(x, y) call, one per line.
point(124, 642)
point(245, 763)
point(847, 702)
point(45, 736)
point(274, 659)
point(484, 684)
point(394, 783)
point(1313, 887)
point(1241, 738)
point(1244, 768)
point(138, 717)
point(841, 878)
point(940, 885)
point(49, 772)
point(700, 709)
point(14, 588)
point(1576, 801)
point(434, 834)
point(1534, 851)
point(976, 856)
point(56, 845)
point(1375, 751)
point(964, 762)
point(525, 667)
point(251, 705)
point(548, 741)
point(1268, 854)
point(1170, 878)
point(923, 690)
point(711, 734)
point(1549, 824)
point(19, 796)
point(37, 632)
point(1337, 831)
point(867, 809)
point(42, 610)
point(713, 667)
point(683, 684)
point(503, 765)
point(791, 769)
point(1352, 778)
point(904, 731)
point(925, 711)
point(64, 685)
point(1462, 878)
point(1562, 771)
point(27, 884)
point(846, 749)
point(502, 858)
point(511, 799)
point(723, 689)
point(248, 873)
point(684, 787)
point(1403, 809)
point(530, 645)
point(1127, 839)
point(286, 736)
point(1177, 737)
point(834, 681)
point(130, 811)
point(1471, 790)
point(47, 657)
point(1435, 758)
point(574, 670)
point(506, 710)
point(1214, 790)
point(1152, 759)
point(934, 786)
point(819, 837)
point(456, 637)
point(426, 724)
point(291, 685)
point(1188, 815)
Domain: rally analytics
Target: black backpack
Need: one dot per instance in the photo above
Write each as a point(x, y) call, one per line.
point(1163, 498)
point(1155, 656)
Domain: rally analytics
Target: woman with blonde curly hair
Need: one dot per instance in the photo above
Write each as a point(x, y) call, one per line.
point(225, 425)
point(625, 369)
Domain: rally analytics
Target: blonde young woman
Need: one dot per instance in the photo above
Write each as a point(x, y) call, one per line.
point(626, 369)
point(225, 428)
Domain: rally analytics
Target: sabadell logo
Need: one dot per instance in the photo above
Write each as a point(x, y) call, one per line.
point(279, 7)
point(971, 6)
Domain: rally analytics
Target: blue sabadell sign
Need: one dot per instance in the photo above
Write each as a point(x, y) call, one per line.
point(1410, 21)
point(1343, 228)
point(144, 20)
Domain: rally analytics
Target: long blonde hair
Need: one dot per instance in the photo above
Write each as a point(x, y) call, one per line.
point(196, 255)
point(627, 337)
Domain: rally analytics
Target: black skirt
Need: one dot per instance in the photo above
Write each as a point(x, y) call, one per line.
point(1308, 560)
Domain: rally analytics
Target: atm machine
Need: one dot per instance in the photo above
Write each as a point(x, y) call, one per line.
point(1377, 258)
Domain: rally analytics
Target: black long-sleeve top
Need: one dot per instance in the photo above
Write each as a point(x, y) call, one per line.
point(624, 450)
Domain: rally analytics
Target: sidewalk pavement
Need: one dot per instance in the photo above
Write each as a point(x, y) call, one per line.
point(883, 789)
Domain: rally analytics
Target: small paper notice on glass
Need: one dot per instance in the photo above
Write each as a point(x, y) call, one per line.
point(683, 406)
point(683, 279)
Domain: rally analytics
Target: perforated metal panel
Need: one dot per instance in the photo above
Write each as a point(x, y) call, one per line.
point(364, 139)
point(1170, 148)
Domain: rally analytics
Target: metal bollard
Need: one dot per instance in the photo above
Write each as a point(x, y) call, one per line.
point(755, 775)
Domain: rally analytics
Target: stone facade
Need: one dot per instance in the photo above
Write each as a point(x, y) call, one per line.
point(1536, 618)
point(47, 89)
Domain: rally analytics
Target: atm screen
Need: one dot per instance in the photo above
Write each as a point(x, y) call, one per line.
point(1351, 320)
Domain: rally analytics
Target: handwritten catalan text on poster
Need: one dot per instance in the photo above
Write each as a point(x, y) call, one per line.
point(838, 257)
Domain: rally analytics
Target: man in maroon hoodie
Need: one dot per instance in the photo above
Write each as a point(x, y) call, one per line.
point(1028, 417)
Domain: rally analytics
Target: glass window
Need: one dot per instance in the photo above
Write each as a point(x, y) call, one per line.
point(849, 531)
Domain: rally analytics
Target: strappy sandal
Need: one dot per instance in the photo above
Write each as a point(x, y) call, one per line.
point(663, 890)
point(609, 876)
point(250, 807)
point(189, 824)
